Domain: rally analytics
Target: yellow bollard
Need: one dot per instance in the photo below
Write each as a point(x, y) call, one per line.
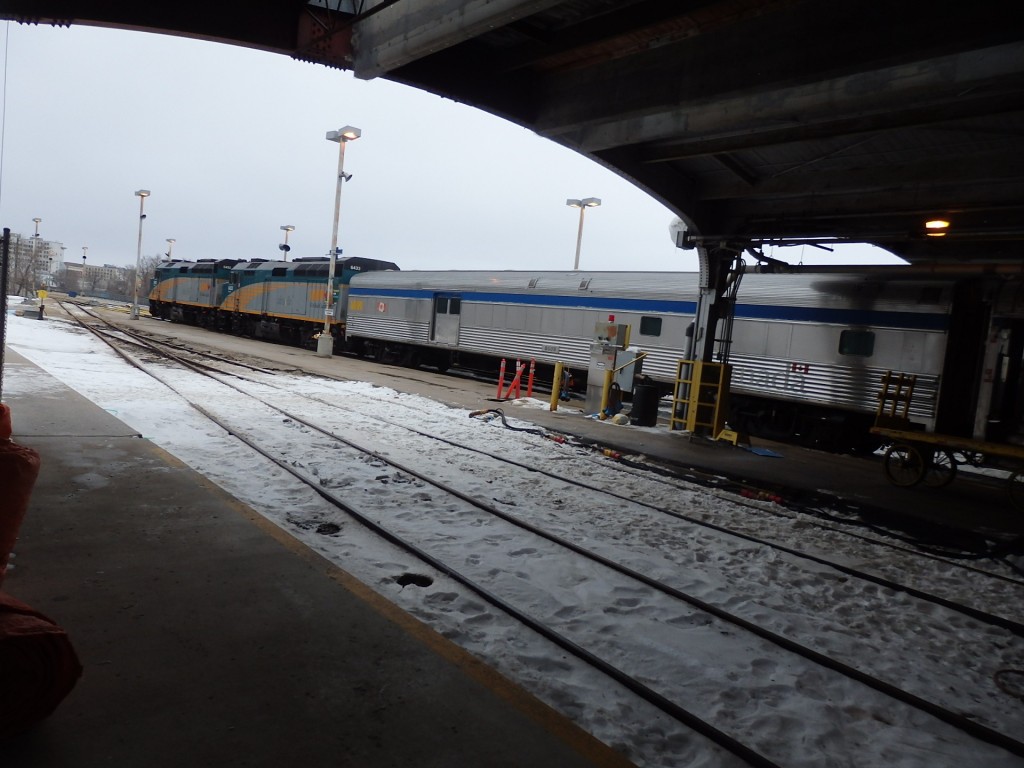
point(556, 387)
point(606, 387)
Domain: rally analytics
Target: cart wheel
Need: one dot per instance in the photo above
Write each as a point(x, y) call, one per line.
point(974, 458)
point(1017, 489)
point(904, 466)
point(941, 469)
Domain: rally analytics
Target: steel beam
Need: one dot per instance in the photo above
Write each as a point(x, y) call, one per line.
point(412, 29)
point(911, 93)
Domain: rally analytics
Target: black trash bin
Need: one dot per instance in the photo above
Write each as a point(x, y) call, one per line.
point(645, 405)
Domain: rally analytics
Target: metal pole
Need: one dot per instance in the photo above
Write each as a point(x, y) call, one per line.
point(579, 239)
point(142, 194)
point(325, 342)
point(288, 229)
point(5, 255)
point(32, 276)
point(329, 311)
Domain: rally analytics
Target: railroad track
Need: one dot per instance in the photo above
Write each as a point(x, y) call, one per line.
point(640, 578)
point(834, 514)
point(951, 581)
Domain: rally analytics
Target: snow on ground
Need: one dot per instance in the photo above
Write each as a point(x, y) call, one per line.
point(881, 631)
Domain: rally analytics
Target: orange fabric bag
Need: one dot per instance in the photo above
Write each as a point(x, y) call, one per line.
point(19, 467)
point(38, 666)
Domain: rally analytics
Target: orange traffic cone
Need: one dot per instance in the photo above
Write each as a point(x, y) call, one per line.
point(19, 467)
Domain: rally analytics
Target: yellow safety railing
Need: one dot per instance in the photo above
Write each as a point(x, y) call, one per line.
point(700, 400)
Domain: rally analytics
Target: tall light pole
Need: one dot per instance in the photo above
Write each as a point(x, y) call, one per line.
point(285, 248)
point(35, 244)
point(63, 266)
point(325, 344)
point(586, 202)
point(170, 248)
point(142, 194)
point(81, 288)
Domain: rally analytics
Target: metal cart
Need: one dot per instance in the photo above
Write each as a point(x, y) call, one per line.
point(915, 456)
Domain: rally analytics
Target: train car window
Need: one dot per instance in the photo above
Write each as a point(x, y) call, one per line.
point(440, 306)
point(650, 326)
point(859, 343)
point(279, 271)
point(455, 306)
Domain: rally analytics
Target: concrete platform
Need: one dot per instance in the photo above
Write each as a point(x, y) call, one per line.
point(211, 638)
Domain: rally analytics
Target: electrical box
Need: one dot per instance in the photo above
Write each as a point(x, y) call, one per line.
point(628, 367)
point(610, 341)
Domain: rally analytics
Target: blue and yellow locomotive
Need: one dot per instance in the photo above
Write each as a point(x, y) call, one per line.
point(276, 300)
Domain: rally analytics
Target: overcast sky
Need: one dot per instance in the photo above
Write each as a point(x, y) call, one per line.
point(231, 144)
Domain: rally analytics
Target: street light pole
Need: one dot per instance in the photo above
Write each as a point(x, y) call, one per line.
point(170, 248)
point(287, 228)
point(142, 194)
point(32, 263)
point(586, 202)
point(63, 266)
point(325, 344)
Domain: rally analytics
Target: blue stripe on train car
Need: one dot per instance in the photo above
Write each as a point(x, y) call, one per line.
point(923, 321)
point(538, 300)
point(920, 321)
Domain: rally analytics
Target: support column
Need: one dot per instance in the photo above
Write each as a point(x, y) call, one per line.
point(720, 270)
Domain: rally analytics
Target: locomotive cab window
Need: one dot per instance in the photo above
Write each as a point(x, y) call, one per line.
point(650, 326)
point(857, 343)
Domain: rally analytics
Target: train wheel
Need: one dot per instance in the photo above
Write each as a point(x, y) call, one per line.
point(1016, 482)
point(941, 469)
point(903, 465)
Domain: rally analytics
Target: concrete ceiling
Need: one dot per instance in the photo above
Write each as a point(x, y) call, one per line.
point(756, 120)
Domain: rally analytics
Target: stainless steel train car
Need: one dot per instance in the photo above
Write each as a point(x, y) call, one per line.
point(808, 350)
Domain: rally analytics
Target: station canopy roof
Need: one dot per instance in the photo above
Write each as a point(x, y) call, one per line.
point(757, 121)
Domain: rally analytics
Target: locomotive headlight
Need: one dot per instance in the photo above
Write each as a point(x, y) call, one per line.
point(936, 227)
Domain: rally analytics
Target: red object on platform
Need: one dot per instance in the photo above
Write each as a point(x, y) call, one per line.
point(38, 666)
point(19, 467)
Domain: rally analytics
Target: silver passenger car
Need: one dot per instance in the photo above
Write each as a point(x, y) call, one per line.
point(820, 338)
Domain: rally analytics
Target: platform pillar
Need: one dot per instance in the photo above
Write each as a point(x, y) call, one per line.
point(324, 345)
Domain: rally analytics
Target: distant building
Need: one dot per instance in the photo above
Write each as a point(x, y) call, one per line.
point(108, 279)
point(34, 261)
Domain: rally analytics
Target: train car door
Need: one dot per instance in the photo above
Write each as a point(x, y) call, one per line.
point(444, 326)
